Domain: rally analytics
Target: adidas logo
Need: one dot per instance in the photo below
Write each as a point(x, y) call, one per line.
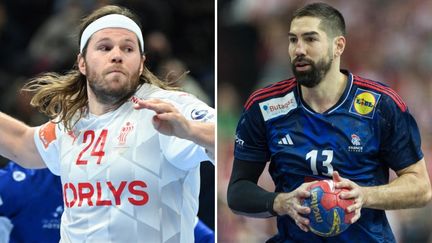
point(286, 140)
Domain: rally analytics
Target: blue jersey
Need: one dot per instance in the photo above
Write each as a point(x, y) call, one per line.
point(203, 234)
point(367, 132)
point(32, 201)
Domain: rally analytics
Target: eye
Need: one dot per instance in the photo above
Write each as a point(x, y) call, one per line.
point(292, 39)
point(129, 49)
point(103, 48)
point(310, 39)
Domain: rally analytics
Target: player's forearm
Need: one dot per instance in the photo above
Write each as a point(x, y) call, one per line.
point(396, 195)
point(409, 190)
point(244, 195)
point(203, 134)
point(17, 144)
point(247, 198)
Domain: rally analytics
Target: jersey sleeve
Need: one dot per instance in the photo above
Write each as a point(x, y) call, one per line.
point(47, 144)
point(401, 142)
point(182, 153)
point(250, 139)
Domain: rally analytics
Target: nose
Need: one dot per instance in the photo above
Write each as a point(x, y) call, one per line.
point(116, 55)
point(299, 49)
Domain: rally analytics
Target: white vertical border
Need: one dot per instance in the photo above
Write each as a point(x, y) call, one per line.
point(216, 127)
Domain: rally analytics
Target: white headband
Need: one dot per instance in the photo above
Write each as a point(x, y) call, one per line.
point(111, 21)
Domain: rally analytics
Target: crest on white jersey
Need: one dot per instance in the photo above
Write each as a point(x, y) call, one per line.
point(278, 106)
point(125, 130)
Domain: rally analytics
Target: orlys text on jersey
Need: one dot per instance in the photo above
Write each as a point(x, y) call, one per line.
point(91, 194)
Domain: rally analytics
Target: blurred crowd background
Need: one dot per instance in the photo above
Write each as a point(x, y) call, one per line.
point(40, 36)
point(388, 41)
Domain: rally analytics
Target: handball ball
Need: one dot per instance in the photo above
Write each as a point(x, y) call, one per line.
point(328, 216)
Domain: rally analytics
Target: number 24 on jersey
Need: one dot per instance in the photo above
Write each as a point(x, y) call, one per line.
point(97, 148)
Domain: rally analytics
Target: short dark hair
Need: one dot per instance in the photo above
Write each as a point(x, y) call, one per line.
point(332, 21)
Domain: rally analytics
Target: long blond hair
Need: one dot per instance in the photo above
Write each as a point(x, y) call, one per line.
point(62, 96)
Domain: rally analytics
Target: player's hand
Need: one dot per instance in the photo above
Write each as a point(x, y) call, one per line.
point(355, 192)
point(168, 120)
point(291, 204)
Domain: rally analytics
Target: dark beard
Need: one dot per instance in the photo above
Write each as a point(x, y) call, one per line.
point(312, 77)
point(113, 98)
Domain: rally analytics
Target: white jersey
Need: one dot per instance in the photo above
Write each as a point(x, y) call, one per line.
point(123, 181)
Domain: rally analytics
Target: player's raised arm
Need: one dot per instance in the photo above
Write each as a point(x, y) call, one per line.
point(17, 143)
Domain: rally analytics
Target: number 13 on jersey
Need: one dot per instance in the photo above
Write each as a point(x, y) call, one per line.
point(98, 147)
point(327, 155)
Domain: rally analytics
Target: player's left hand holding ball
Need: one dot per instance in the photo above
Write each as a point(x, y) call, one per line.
point(291, 204)
point(355, 192)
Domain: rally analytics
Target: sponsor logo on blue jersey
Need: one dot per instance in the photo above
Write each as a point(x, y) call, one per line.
point(364, 103)
point(286, 140)
point(278, 106)
point(356, 144)
point(198, 114)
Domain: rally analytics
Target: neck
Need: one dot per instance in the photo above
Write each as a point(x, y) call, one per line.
point(327, 93)
point(98, 108)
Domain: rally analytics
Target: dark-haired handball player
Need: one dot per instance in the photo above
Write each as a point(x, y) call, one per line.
point(127, 147)
point(326, 123)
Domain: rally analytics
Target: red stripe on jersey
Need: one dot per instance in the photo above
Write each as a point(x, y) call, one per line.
point(268, 89)
point(379, 87)
point(274, 89)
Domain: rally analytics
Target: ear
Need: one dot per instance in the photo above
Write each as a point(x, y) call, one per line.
point(142, 65)
point(339, 43)
point(81, 64)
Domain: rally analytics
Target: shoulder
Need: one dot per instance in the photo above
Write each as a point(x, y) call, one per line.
point(147, 91)
point(190, 106)
point(377, 91)
point(187, 104)
point(276, 90)
point(47, 133)
point(178, 97)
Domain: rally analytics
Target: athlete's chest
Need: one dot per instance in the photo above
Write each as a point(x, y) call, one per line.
point(111, 147)
point(114, 162)
point(321, 143)
point(336, 130)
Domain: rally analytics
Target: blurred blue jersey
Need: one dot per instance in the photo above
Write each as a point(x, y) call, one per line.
point(203, 234)
point(32, 201)
point(367, 132)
